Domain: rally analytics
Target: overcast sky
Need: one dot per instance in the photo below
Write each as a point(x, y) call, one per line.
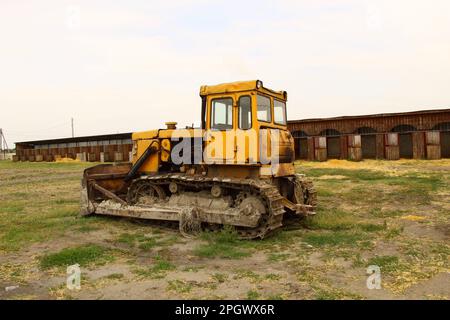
point(121, 66)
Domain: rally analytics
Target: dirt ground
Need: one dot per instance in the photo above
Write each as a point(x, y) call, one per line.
point(394, 215)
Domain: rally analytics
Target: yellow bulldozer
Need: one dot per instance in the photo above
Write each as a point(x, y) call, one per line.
point(237, 169)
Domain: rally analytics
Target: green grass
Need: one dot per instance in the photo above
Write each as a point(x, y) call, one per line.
point(358, 261)
point(410, 179)
point(330, 219)
point(272, 277)
point(387, 264)
point(275, 297)
point(326, 295)
point(39, 202)
point(158, 270)
point(162, 264)
point(145, 242)
point(282, 237)
point(349, 174)
point(86, 228)
point(180, 286)
point(254, 277)
point(193, 268)
point(247, 274)
point(393, 232)
point(334, 294)
point(19, 194)
point(336, 238)
point(379, 213)
point(12, 208)
point(169, 241)
point(415, 187)
point(115, 276)
point(67, 201)
point(44, 165)
point(82, 255)
point(130, 238)
point(441, 249)
point(20, 229)
point(253, 295)
point(371, 227)
point(220, 277)
point(222, 244)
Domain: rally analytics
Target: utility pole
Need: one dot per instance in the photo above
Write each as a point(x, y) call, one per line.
point(3, 144)
point(71, 121)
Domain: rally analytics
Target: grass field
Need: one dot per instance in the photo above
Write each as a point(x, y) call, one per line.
point(392, 214)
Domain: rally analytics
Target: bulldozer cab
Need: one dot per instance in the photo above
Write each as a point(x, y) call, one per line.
point(241, 119)
point(242, 105)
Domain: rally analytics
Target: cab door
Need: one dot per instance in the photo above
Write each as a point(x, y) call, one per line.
point(246, 138)
point(221, 126)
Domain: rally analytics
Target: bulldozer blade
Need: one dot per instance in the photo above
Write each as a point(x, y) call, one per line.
point(168, 213)
point(103, 181)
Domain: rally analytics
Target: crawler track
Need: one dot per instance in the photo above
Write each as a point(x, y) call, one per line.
point(269, 194)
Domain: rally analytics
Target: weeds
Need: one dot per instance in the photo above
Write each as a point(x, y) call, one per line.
point(222, 244)
point(220, 277)
point(158, 270)
point(180, 286)
point(253, 295)
point(144, 242)
point(333, 238)
point(387, 264)
point(335, 220)
point(82, 255)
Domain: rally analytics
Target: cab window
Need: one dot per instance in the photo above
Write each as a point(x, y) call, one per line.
point(245, 113)
point(263, 111)
point(222, 114)
point(279, 110)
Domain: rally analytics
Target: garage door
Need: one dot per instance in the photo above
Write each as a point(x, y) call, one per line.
point(405, 145)
point(303, 148)
point(334, 148)
point(445, 144)
point(369, 146)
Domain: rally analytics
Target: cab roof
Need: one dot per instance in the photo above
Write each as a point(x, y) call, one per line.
point(240, 86)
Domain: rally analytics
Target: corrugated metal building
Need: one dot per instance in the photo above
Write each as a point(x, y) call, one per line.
point(417, 135)
point(105, 148)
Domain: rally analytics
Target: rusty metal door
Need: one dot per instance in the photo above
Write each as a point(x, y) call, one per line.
point(303, 143)
point(369, 146)
point(405, 145)
point(333, 147)
point(303, 148)
point(445, 144)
